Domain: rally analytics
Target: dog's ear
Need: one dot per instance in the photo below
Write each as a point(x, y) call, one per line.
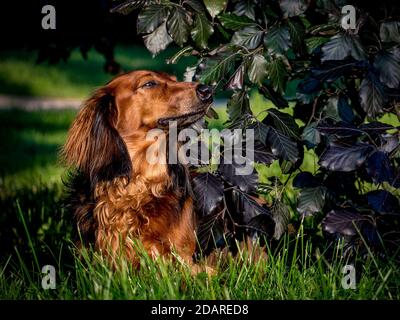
point(93, 145)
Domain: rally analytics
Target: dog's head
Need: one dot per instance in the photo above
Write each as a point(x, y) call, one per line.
point(139, 100)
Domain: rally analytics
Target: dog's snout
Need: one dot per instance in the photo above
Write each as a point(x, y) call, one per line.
point(204, 92)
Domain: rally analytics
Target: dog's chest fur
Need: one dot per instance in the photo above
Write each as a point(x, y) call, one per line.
point(117, 212)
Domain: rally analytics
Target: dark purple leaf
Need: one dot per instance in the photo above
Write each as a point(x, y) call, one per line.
point(232, 173)
point(390, 31)
point(305, 180)
point(282, 146)
point(340, 129)
point(389, 69)
point(261, 131)
point(311, 136)
point(238, 105)
point(383, 202)
point(345, 112)
point(291, 8)
point(345, 157)
point(276, 98)
point(236, 81)
point(211, 232)
point(261, 225)
point(379, 167)
point(262, 154)
point(311, 200)
point(342, 46)
point(390, 143)
point(375, 127)
point(345, 223)
point(209, 194)
point(281, 216)
point(372, 95)
point(249, 210)
point(309, 85)
point(333, 69)
point(283, 122)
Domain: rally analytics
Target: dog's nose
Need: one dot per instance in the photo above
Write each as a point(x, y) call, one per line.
point(203, 92)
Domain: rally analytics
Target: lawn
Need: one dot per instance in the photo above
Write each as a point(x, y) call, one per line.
point(35, 230)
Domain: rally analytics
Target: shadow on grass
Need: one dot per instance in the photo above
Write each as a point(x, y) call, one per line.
point(30, 203)
point(30, 140)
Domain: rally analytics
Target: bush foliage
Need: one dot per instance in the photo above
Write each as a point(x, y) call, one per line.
point(339, 83)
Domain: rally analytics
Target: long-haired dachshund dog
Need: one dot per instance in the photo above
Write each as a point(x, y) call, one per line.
point(117, 196)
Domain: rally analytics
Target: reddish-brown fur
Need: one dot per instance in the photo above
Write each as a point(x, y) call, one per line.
point(125, 197)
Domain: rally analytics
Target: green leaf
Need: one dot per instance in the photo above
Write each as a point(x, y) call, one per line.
point(389, 69)
point(238, 105)
point(283, 122)
point(245, 8)
point(390, 31)
point(215, 6)
point(217, 67)
point(341, 46)
point(179, 25)
point(128, 6)
point(249, 37)
point(277, 39)
point(311, 200)
point(202, 31)
point(282, 146)
point(196, 5)
point(372, 95)
point(291, 8)
point(151, 17)
point(297, 36)
point(258, 69)
point(234, 22)
point(278, 74)
point(158, 40)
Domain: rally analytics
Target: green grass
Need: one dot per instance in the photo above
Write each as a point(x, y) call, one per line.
point(298, 275)
point(35, 231)
point(20, 75)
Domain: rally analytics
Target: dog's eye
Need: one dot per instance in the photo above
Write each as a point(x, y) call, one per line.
point(150, 84)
